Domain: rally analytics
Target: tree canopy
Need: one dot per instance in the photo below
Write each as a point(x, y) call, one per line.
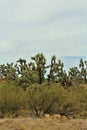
point(37, 71)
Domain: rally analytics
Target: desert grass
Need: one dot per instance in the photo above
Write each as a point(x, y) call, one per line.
point(28, 123)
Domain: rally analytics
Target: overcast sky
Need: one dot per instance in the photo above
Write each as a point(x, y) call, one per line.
point(49, 26)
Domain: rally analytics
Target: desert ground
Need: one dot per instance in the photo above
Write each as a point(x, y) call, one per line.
point(27, 123)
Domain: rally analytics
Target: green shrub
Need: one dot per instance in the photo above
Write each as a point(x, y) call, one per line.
point(40, 99)
point(55, 99)
point(11, 99)
point(44, 99)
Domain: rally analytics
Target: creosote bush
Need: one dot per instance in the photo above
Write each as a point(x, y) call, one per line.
point(11, 100)
point(41, 99)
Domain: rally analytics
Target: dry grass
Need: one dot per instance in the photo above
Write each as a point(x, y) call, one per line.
point(42, 124)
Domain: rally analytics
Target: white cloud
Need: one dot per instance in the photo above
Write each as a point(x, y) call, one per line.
point(49, 26)
point(6, 46)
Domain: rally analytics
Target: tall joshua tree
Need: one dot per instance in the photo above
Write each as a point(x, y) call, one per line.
point(53, 69)
point(57, 74)
point(23, 72)
point(83, 69)
point(40, 62)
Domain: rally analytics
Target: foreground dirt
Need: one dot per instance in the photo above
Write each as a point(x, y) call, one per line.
point(42, 124)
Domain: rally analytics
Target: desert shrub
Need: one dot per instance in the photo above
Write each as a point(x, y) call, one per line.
point(39, 100)
point(52, 99)
point(11, 99)
point(44, 99)
point(74, 102)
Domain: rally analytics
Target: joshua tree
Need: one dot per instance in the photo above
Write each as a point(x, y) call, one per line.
point(53, 69)
point(83, 69)
point(39, 66)
point(75, 78)
point(23, 73)
point(3, 73)
point(8, 71)
point(57, 74)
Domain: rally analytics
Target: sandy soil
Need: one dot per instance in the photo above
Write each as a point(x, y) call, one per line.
point(42, 124)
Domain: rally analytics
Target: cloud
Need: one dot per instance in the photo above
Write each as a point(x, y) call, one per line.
point(50, 26)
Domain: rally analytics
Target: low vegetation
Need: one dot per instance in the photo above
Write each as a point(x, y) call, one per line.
point(38, 100)
point(27, 90)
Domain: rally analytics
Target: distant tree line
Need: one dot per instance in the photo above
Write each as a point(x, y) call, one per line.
point(36, 71)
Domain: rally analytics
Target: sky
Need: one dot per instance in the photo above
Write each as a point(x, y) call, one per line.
point(28, 27)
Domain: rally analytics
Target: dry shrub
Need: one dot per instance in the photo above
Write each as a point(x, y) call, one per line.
point(56, 116)
point(47, 116)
